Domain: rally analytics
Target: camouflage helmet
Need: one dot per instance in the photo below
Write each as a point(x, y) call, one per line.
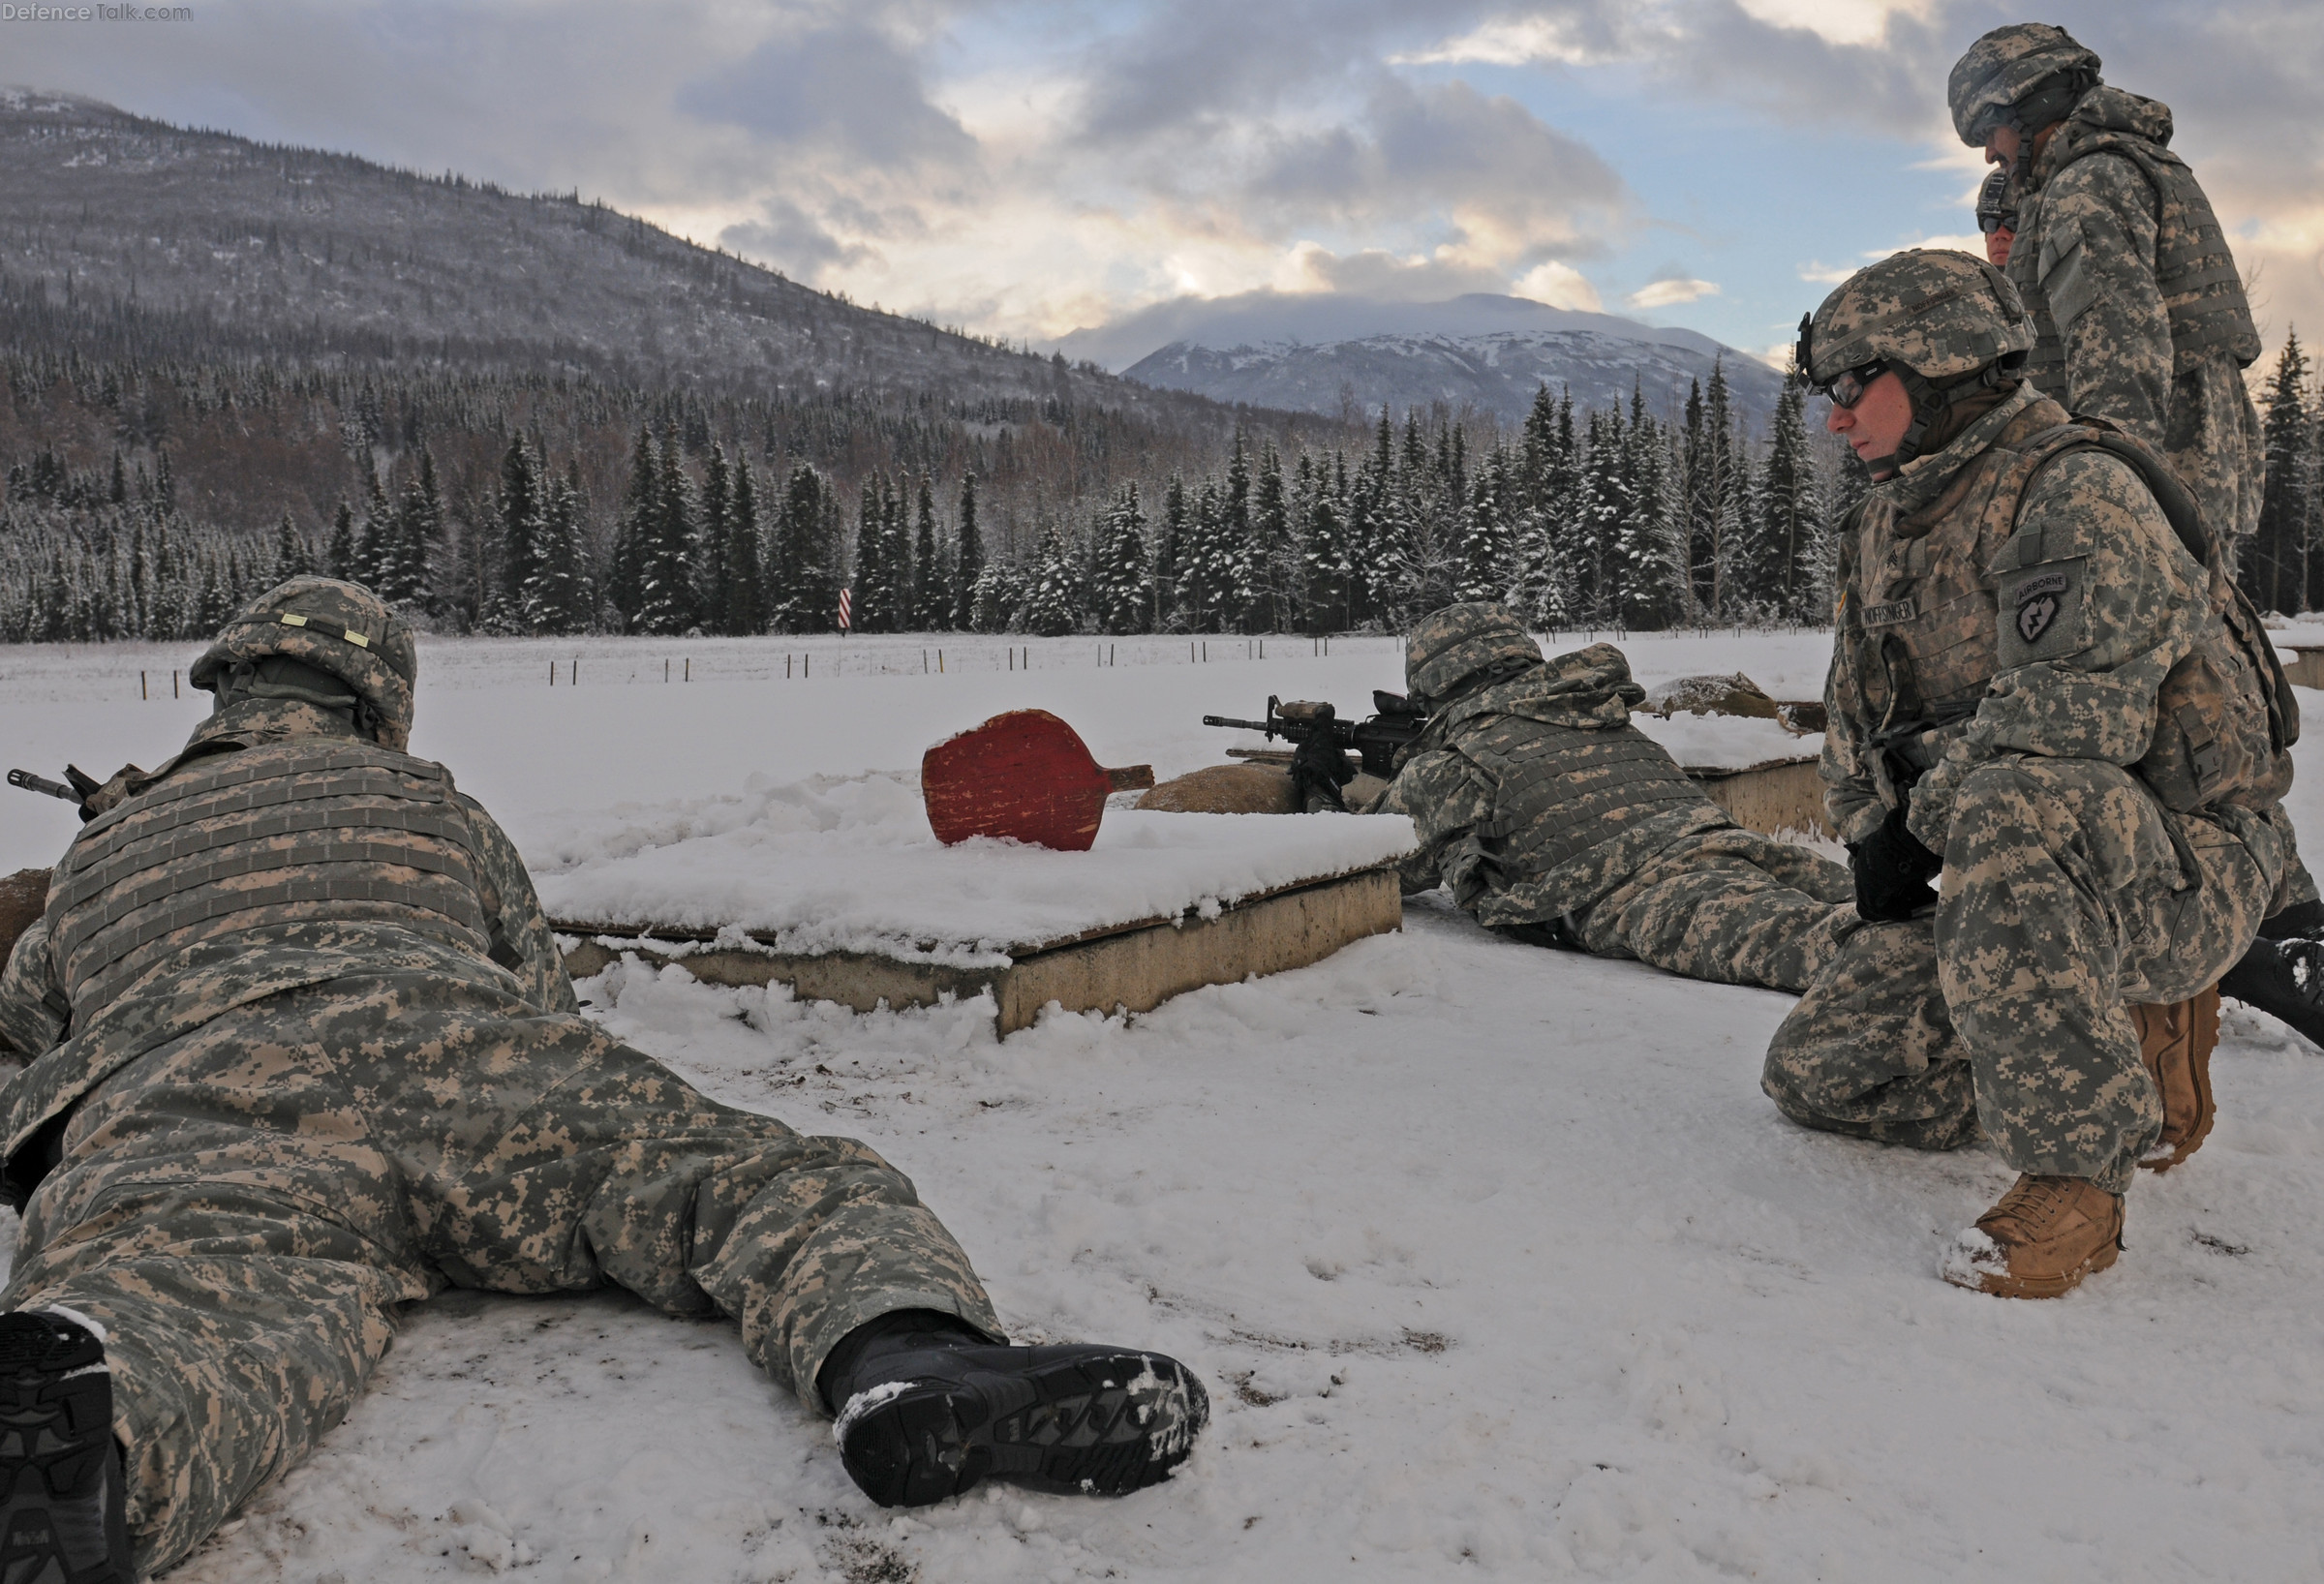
point(1947, 323)
point(342, 628)
point(1483, 639)
point(1939, 313)
point(1997, 204)
point(1992, 84)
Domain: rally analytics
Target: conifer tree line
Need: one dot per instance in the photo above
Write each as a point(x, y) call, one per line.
point(2282, 567)
point(510, 504)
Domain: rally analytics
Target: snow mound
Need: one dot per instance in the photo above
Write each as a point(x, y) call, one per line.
point(834, 864)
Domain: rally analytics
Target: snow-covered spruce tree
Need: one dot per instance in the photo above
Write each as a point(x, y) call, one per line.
point(1787, 536)
point(2276, 570)
point(968, 563)
point(1170, 544)
point(557, 599)
point(1049, 606)
point(740, 608)
point(412, 533)
point(1274, 571)
point(519, 513)
point(1233, 551)
point(634, 530)
point(291, 558)
point(713, 539)
point(1487, 543)
point(931, 595)
point(999, 595)
point(665, 570)
point(1124, 595)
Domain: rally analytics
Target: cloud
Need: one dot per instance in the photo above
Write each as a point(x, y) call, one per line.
point(1503, 186)
point(848, 87)
point(1559, 284)
point(1670, 294)
point(1387, 277)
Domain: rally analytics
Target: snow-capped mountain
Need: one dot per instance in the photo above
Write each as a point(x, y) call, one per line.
point(1328, 353)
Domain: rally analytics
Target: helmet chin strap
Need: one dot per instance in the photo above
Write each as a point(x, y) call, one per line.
point(1932, 402)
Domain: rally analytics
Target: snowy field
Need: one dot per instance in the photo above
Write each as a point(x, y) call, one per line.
point(1496, 1261)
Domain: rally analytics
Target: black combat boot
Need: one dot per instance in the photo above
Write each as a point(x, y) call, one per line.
point(928, 1409)
point(64, 1520)
point(2284, 979)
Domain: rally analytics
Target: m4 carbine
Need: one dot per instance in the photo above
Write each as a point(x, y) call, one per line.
point(1376, 739)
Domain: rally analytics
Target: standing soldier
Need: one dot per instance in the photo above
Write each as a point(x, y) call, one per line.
point(2139, 319)
point(1997, 218)
point(2040, 687)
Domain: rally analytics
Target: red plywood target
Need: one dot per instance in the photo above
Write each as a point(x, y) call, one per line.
point(1025, 775)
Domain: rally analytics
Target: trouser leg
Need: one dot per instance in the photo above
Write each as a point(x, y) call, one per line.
point(1871, 1051)
point(576, 1159)
point(220, 1213)
point(2064, 897)
point(1730, 906)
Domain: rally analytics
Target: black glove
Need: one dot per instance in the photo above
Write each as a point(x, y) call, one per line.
point(1892, 871)
point(1318, 771)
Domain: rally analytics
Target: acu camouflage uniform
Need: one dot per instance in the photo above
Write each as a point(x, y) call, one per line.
point(2019, 624)
point(2139, 312)
point(1550, 817)
point(303, 1050)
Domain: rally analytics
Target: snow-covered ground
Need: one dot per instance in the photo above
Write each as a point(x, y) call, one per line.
point(1498, 1264)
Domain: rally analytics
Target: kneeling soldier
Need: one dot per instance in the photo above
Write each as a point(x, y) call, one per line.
point(303, 1050)
point(2044, 686)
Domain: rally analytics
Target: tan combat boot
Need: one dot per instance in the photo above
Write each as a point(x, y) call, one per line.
point(2175, 1043)
point(2040, 1240)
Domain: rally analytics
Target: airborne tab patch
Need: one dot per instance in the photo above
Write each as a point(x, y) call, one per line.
point(2042, 617)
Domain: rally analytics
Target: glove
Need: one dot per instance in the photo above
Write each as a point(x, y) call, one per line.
point(1318, 771)
point(1892, 871)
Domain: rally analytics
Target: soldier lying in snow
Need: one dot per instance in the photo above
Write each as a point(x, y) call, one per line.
point(1551, 818)
point(303, 1051)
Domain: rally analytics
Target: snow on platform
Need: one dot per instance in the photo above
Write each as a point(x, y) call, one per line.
point(1728, 741)
point(850, 865)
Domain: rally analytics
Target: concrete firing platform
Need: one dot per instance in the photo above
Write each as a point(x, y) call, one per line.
point(838, 890)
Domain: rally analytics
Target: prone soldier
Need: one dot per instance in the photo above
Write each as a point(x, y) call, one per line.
point(301, 1050)
point(1555, 820)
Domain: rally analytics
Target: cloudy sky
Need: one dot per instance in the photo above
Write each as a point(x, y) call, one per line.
point(1024, 167)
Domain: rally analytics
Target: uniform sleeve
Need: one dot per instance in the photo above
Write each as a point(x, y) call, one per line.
point(521, 941)
point(2097, 601)
point(1851, 788)
point(2097, 267)
point(1446, 799)
point(34, 1013)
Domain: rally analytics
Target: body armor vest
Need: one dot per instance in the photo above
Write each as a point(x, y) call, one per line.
point(1564, 791)
point(307, 829)
point(1928, 632)
point(2194, 269)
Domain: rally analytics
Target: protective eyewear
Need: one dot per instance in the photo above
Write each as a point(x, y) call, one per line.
point(1847, 388)
point(1990, 222)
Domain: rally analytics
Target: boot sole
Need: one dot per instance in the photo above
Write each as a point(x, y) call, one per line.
point(1102, 1426)
point(2193, 1027)
point(62, 1517)
point(2045, 1286)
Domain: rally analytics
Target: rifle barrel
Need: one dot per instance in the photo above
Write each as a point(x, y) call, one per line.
point(1272, 729)
point(30, 782)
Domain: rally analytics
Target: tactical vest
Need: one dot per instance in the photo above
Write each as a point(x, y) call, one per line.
point(306, 830)
point(1930, 640)
point(2194, 269)
point(1563, 791)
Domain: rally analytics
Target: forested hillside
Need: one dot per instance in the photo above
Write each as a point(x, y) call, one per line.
point(220, 362)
